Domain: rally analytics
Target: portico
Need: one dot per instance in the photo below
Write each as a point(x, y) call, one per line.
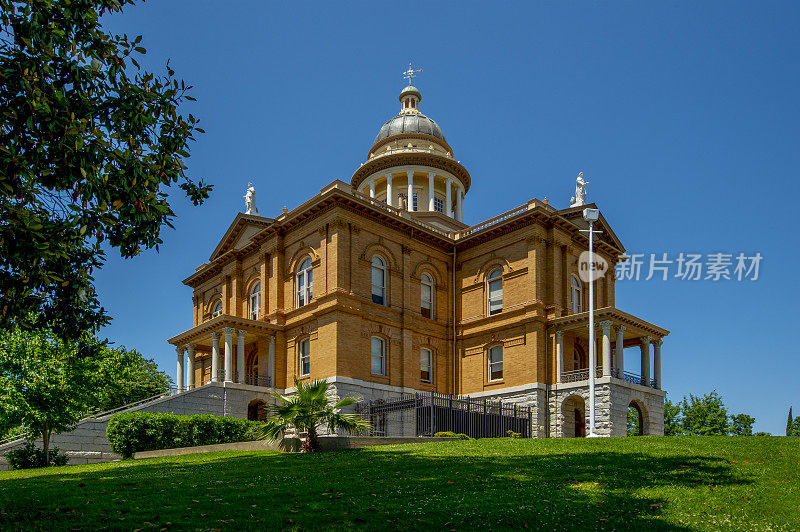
point(246, 356)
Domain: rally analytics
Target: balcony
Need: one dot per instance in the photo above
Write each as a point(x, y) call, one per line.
point(579, 375)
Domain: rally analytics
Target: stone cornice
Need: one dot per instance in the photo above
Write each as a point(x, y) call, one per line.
point(385, 162)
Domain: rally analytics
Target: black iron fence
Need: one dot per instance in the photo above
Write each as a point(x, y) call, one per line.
point(429, 413)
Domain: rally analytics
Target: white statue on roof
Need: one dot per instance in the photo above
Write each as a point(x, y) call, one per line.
point(250, 200)
point(579, 199)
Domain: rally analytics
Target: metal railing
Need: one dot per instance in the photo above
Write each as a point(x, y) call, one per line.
point(254, 380)
point(429, 413)
point(580, 374)
point(493, 221)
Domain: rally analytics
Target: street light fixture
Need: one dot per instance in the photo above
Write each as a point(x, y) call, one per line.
point(591, 216)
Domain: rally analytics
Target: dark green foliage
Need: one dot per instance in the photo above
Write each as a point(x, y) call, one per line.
point(30, 457)
point(46, 385)
point(672, 422)
point(132, 432)
point(90, 146)
point(762, 434)
point(127, 376)
point(313, 406)
point(704, 416)
point(459, 435)
point(794, 429)
point(742, 425)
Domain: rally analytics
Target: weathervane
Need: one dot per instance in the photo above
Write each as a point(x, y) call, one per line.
point(410, 73)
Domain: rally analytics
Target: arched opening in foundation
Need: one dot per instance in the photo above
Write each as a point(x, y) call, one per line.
point(637, 419)
point(257, 410)
point(574, 410)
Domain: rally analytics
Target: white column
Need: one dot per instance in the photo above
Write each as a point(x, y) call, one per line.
point(559, 354)
point(240, 357)
point(228, 354)
point(410, 175)
point(448, 198)
point(657, 362)
point(372, 188)
point(606, 346)
point(431, 191)
point(214, 357)
point(645, 360)
point(389, 193)
point(460, 205)
point(179, 372)
point(620, 347)
point(271, 361)
point(190, 351)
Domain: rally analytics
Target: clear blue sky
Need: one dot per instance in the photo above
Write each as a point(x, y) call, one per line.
point(683, 117)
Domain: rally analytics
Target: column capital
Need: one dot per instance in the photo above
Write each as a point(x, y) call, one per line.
point(410, 173)
point(620, 329)
point(190, 348)
point(180, 349)
point(241, 332)
point(559, 336)
point(646, 340)
point(228, 330)
point(606, 326)
point(658, 341)
point(215, 335)
point(272, 340)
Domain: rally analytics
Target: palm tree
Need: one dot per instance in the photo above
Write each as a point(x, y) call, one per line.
point(312, 407)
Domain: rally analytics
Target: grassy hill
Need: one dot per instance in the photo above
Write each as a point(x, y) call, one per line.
point(747, 483)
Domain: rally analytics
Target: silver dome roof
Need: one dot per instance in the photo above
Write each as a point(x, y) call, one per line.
point(410, 123)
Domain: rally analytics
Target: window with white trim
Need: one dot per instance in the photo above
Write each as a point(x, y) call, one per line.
point(217, 310)
point(438, 204)
point(496, 363)
point(426, 296)
point(425, 365)
point(378, 356)
point(255, 301)
point(494, 291)
point(577, 295)
point(305, 357)
point(378, 280)
point(305, 283)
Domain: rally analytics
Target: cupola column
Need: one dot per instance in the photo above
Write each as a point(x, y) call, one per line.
point(460, 205)
point(431, 191)
point(372, 188)
point(410, 202)
point(389, 194)
point(448, 198)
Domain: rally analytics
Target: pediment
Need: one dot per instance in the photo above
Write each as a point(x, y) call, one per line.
point(241, 233)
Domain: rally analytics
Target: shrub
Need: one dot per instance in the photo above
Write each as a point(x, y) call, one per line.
point(30, 456)
point(132, 432)
point(512, 434)
point(451, 434)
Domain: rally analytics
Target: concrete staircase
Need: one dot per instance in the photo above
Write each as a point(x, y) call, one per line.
point(87, 442)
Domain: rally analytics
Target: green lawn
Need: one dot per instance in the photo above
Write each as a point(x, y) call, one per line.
point(748, 483)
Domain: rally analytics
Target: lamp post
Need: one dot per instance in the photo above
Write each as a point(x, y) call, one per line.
point(591, 216)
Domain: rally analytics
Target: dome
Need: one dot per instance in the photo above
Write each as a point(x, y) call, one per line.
point(410, 123)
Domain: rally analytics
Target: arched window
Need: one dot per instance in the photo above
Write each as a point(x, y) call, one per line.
point(577, 295)
point(494, 290)
point(305, 357)
point(378, 356)
point(305, 283)
point(426, 296)
point(255, 301)
point(217, 310)
point(378, 280)
point(496, 363)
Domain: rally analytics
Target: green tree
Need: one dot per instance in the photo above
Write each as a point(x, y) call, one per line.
point(794, 430)
point(126, 376)
point(90, 144)
point(742, 425)
point(789, 428)
point(704, 416)
point(672, 418)
point(312, 407)
point(45, 384)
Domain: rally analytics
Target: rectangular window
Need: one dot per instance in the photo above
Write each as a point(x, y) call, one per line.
point(378, 356)
point(425, 358)
point(496, 363)
point(416, 203)
point(378, 285)
point(495, 296)
point(438, 205)
point(305, 357)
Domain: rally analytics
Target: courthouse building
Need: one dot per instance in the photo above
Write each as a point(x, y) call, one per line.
point(378, 286)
